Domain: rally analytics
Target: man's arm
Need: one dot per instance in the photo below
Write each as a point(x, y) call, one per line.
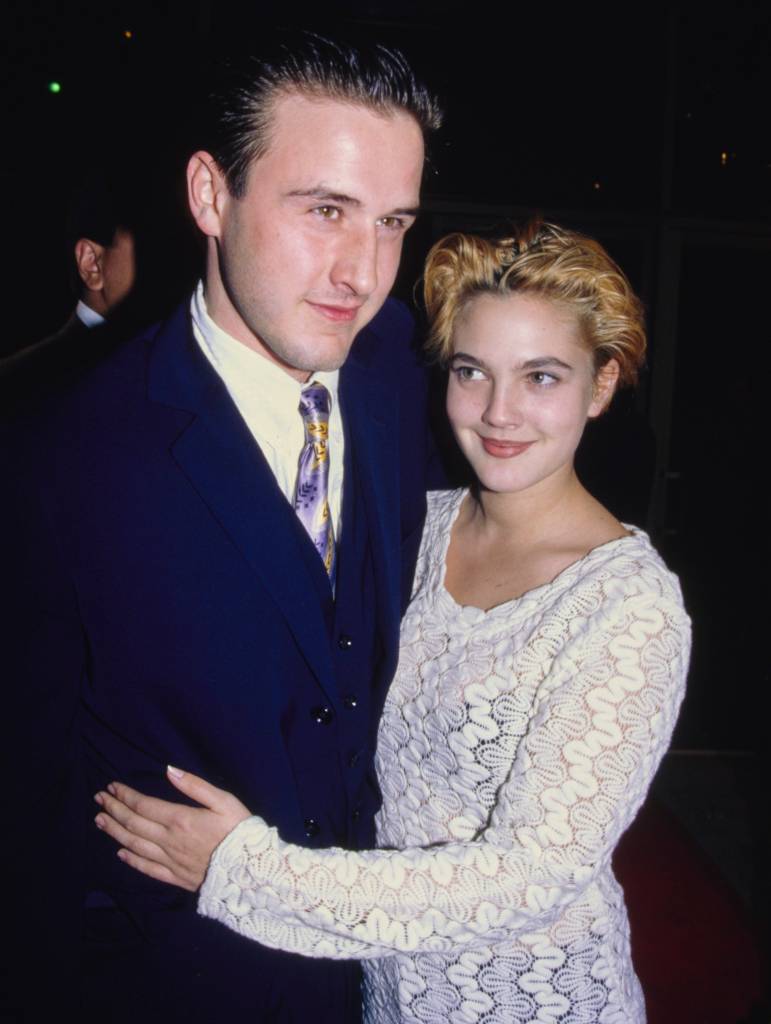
point(44, 658)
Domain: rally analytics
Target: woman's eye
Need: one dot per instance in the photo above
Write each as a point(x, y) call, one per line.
point(465, 373)
point(542, 378)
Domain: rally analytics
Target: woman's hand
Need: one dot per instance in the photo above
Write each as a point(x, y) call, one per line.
point(168, 841)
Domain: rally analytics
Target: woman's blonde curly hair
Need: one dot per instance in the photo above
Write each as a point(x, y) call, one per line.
point(547, 261)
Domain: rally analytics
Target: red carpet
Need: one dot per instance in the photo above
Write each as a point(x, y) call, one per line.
point(692, 944)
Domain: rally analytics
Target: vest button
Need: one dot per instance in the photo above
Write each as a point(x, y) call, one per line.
point(312, 827)
point(344, 642)
point(350, 702)
point(322, 714)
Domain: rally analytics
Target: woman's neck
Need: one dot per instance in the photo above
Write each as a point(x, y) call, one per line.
point(550, 508)
point(503, 545)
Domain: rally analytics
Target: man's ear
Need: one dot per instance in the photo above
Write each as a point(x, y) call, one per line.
point(89, 259)
point(604, 385)
point(207, 192)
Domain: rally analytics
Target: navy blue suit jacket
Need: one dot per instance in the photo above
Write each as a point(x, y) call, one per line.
point(165, 606)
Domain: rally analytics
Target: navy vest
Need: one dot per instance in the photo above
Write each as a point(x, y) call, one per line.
point(337, 787)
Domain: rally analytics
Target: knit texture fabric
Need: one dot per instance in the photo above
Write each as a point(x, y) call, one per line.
point(515, 747)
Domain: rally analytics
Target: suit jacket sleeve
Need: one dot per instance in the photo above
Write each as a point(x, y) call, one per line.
point(44, 661)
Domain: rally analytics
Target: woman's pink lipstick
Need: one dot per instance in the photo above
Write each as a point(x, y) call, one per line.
point(505, 449)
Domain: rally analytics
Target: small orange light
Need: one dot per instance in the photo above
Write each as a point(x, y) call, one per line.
point(128, 34)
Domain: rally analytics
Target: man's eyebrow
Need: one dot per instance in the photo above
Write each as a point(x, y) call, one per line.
point(325, 195)
point(404, 211)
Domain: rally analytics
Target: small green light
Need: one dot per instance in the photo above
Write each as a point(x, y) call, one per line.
point(54, 87)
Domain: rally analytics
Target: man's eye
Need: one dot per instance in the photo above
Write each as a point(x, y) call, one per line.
point(392, 223)
point(327, 212)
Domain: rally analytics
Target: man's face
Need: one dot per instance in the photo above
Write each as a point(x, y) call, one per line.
point(118, 268)
point(308, 255)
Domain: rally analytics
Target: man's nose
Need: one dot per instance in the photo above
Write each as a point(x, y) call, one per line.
point(356, 265)
point(504, 408)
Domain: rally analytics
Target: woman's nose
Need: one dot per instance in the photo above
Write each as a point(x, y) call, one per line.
point(504, 408)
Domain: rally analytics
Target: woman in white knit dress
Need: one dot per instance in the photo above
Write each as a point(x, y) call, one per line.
point(543, 660)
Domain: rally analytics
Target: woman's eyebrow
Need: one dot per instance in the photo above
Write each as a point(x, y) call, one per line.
point(539, 363)
point(467, 359)
point(529, 364)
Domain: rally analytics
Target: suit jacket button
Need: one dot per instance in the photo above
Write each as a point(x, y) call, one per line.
point(354, 759)
point(322, 714)
point(356, 814)
point(350, 702)
point(344, 642)
point(312, 827)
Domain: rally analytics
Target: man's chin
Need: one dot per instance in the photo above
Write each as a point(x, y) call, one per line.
point(321, 354)
point(330, 349)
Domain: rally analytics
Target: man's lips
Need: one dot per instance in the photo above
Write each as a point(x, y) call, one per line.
point(338, 314)
point(504, 449)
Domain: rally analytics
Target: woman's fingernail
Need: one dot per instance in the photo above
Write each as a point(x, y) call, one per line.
point(111, 788)
point(99, 799)
point(177, 773)
point(99, 821)
point(122, 854)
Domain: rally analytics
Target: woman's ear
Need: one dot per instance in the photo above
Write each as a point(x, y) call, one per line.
point(605, 383)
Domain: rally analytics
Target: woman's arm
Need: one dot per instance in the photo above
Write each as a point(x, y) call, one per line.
point(579, 776)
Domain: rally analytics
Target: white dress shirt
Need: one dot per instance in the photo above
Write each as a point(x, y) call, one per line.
point(87, 315)
point(268, 399)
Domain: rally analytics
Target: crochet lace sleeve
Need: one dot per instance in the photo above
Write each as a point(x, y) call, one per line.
point(600, 725)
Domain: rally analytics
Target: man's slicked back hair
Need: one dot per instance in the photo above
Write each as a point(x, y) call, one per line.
point(240, 105)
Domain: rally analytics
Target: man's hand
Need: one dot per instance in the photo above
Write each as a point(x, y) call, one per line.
point(168, 841)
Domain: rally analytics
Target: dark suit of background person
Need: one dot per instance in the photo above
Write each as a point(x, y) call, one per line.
point(101, 252)
point(166, 606)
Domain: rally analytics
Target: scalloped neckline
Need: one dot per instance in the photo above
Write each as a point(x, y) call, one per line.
point(527, 595)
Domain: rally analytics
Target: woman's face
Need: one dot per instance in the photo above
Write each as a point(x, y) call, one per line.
point(521, 387)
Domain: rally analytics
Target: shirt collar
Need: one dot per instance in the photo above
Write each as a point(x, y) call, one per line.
point(248, 375)
point(87, 315)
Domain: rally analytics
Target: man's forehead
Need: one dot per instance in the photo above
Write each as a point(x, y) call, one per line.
point(293, 101)
point(322, 145)
point(304, 121)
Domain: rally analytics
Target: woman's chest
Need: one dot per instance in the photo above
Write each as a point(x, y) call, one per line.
point(455, 716)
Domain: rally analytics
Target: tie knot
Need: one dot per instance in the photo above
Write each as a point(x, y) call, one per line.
point(314, 403)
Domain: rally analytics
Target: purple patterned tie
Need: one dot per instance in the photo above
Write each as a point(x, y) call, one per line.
point(311, 502)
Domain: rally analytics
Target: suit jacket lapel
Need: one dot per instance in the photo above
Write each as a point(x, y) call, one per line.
point(227, 469)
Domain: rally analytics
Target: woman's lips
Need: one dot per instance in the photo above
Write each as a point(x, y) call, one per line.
point(505, 449)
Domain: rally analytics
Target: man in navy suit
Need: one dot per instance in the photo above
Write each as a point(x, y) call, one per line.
point(167, 605)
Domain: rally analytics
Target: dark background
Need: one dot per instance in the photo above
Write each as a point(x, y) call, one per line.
point(646, 129)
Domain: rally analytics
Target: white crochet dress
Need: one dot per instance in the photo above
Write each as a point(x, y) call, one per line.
point(515, 747)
